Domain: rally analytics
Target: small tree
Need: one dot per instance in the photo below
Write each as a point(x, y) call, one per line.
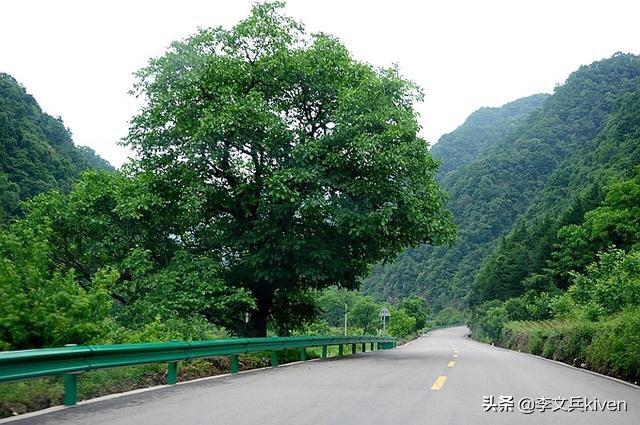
point(284, 157)
point(401, 323)
point(364, 314)
point(417, 308)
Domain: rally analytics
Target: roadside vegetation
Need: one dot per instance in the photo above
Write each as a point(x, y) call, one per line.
point(272, 171)
point(595, 322)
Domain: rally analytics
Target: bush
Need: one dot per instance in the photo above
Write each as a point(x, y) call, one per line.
point(616, 346)
point(401, 323)
point(43, 306)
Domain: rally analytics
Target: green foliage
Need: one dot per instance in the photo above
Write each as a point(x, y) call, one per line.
point(364, 315)
point(596, 322)
point(286, 158)
point(481, 130)
point(42, 305)
point(417, 308)
point(165, 329)
point(548, 168)
point(401, 323)
point(608, 346)
point(608, 286)
point(489, 319)
point(36, 151)
point(111, 224)
point(616, 347)
point(449, 316)
point(331, 305)
point(562, 232)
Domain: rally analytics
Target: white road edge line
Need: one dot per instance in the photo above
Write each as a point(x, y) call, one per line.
point(591, 372)
point(139, 391)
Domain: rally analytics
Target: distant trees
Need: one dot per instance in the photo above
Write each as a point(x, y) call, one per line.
point(598, 256)
point(36, 151)
point(543, 171)
point(293, 164)
point(408, 316)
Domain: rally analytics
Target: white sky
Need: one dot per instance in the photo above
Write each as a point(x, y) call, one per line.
point(77, 57)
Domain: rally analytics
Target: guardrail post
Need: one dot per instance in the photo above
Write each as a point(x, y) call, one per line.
point(340, 350)
point(364, 347)
point(70, 397)
point(70, 389)
point(274, 359)
point(303, 354)
point(324, 351)
point(172, 373)
point(353, 348)
point(234, 363)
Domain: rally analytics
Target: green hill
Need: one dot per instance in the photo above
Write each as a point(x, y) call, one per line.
point(481, 130)
point(490, 192)
point(36, 150)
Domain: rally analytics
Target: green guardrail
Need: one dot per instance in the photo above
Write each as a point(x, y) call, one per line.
point(72, 360)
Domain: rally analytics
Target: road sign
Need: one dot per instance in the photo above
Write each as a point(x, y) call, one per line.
point(384, 313)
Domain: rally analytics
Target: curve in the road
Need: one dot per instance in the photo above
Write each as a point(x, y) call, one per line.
point(441, 378)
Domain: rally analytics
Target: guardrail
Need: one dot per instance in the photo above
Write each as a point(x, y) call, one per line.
point(72, 360)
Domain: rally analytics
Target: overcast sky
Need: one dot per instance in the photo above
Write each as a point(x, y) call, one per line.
point(77, 57)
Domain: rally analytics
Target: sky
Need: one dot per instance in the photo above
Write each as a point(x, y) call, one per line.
point(77, 58)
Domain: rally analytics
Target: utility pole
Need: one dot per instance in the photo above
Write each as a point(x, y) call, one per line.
point(346, 309)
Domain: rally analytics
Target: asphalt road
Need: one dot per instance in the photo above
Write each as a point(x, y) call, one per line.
point(402, 386)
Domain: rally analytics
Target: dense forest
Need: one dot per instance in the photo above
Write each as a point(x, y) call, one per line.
point(548, 213)
point(522, 175)
point(254, 201)
point(37, 153)
point(280, 187)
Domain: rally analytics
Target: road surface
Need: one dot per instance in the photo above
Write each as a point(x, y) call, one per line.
point(441, 378)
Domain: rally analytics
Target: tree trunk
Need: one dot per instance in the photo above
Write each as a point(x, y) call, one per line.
point(259, 318)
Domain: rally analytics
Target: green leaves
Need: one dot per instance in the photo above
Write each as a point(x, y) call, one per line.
point(298, 166)
point(45, 306)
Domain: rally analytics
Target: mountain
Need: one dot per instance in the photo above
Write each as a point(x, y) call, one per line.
point(524, 257)
point(504, 180)
point(36, 150)
point(481, 130)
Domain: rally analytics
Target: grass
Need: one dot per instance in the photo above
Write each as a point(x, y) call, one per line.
point(610, 346)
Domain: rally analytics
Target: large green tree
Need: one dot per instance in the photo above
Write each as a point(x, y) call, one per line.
point(291, 162)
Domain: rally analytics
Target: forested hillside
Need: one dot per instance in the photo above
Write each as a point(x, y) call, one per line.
point(489, 193)
point(525, 258)
point(36, 150)
point(481, 130)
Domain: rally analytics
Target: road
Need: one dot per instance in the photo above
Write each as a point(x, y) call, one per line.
point(402, 386)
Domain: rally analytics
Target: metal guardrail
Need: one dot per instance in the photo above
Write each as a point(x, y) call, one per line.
point(70, 361)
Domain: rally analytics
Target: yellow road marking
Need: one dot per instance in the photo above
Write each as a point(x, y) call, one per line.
point(439, 383)
point(450, 344)
point(452, 363)
point(455, 356)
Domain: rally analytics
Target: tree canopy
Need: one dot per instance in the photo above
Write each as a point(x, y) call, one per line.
point(281, 155)
point(536, 172)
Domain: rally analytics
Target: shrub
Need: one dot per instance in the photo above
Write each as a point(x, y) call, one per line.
point(616, 346)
